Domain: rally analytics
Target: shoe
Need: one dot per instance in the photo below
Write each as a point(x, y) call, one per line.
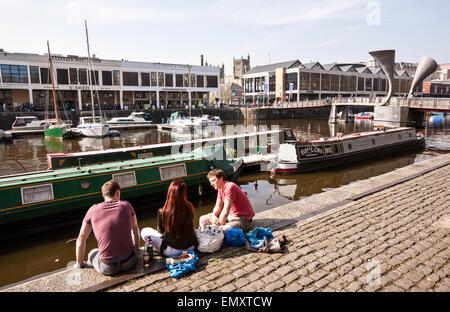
point(181, 258)
point(274, 245)
point(283, 240)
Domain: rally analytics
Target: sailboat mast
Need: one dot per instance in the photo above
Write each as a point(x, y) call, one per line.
point(53, 84)
point(89, 72)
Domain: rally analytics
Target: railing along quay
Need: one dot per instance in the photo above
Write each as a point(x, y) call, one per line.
point(422, 103)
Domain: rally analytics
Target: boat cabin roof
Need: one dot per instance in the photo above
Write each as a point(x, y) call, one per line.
point(26, 117)
point(90, 119)
point(143, 115)
point(180, 114)
point(139, 114)
point(158, 145)
point(356, 135)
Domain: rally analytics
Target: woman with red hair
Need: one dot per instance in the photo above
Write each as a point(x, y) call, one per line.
point(175, 231)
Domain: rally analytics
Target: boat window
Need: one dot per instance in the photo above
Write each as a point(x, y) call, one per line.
point(125, 178)
point(37, 193)
point(410, 135)
point(335, 149)
point(19, 123)
point(373, 141)
point(145, 155)
point(349, 146)
point(328, 150)
point(172, 172)
point(399, 136)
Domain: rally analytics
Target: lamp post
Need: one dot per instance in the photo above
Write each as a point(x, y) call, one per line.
point(190, 99)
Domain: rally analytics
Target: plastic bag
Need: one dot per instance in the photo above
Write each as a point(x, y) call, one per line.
point(210, 239)
point(180, 268)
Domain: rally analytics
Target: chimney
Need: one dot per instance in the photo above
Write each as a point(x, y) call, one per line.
point(201, 60)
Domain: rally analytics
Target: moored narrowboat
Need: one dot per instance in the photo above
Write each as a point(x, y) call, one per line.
point(45, 193)
point(298, 156)
point(248, 142)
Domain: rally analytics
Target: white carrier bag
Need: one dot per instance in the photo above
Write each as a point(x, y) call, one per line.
point(210, 239)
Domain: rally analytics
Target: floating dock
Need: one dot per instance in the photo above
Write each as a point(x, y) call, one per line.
point(178, 129)
point(132, 127)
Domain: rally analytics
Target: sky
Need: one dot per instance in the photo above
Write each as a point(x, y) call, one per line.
point(178, 32)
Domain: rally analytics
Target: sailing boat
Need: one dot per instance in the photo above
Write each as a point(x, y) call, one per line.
point(55, 129)
point(92, 126)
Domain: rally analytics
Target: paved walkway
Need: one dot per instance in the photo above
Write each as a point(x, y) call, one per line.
point(396, 239)
point(386, 233)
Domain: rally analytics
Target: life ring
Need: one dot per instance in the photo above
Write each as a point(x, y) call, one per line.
point(200, 190)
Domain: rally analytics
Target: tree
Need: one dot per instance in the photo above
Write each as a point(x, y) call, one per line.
point(225, 93)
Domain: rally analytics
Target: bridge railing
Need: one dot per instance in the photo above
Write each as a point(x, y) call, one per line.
point(301, 104)
point(424, 103)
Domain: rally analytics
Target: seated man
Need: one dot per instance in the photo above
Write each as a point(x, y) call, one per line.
point(116, 230)
point(232, 209)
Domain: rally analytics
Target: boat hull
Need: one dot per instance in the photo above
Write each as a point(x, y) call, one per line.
point(57, 133)
point(93, 130)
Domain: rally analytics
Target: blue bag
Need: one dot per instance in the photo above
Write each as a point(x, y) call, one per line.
point(235, 237)
point(257, 236)
point(181, 268)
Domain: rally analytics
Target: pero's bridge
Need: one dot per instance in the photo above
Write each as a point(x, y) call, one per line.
point(395, 111)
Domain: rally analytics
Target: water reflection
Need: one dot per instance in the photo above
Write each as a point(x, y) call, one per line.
point(94, 144)
point(54, 146)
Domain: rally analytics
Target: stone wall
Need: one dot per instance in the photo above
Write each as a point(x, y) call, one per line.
point(7, 118)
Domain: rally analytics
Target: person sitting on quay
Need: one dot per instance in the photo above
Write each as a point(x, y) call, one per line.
point(117, 232)
point(232, 209)
point(175, 223)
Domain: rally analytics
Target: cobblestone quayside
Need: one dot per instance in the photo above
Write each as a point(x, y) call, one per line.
point(396, 239)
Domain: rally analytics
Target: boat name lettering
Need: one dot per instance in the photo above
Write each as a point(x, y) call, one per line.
point(311, 151)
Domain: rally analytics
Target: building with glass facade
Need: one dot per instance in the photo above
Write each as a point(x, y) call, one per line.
point(294, 81)
point(25, 81)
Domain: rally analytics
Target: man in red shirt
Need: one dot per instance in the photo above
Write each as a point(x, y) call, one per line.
point(232, 209)
point(117, 232)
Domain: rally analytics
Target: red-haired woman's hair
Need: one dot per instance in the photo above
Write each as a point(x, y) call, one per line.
point(177, 210)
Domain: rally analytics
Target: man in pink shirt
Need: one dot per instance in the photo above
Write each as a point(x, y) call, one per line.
point(116, 229)
point(232, 209)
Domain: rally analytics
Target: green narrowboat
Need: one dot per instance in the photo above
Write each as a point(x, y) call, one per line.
point(247, 142)
point(55, 191)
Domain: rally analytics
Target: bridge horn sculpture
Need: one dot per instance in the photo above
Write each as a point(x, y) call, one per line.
point(425, 67)
point(386, 60)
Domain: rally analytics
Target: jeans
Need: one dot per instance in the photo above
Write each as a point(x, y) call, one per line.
point(105, 269)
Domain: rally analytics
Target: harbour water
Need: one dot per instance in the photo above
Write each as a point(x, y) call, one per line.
point(28, 256)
